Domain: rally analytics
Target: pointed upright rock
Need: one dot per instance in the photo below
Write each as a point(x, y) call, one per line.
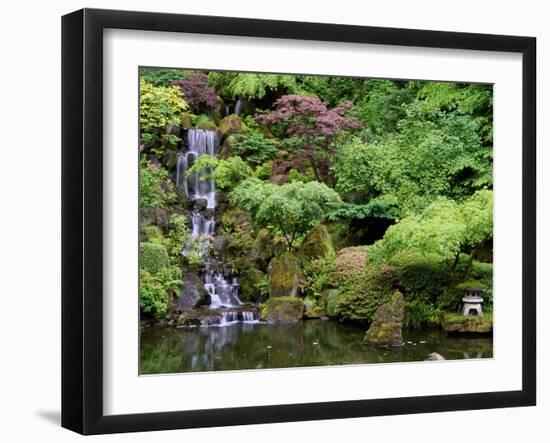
point(385, 330)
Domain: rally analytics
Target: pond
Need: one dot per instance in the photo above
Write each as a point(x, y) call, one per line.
point(307, 343)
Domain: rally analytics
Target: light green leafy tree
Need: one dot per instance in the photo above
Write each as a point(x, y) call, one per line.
point(226, 173)
point(249, 85)
point(443, 231)
point(290, 210)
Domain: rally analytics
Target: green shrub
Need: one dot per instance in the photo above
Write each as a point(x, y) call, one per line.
point(421, 278)
point(160, 76)
point(155, 290)
point(153, 234)
point(264, 171)
point(153, 298)
point(263, 287)
point(153, 257)
point(317, 275)
point(155, 188)
point(418, 314)
point(159, 107)
point(178, 234)
point(255, 148)
point(205, 122)
point(227, 173)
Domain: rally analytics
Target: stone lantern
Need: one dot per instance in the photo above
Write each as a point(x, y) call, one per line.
point(472, 301)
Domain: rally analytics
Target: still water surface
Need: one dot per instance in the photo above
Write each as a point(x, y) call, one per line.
point(307, 343)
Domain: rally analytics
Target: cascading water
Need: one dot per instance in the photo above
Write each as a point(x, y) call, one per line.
point(202, 191)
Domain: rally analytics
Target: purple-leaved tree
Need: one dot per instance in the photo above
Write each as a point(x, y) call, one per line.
point(196, 92)
point(314, 127)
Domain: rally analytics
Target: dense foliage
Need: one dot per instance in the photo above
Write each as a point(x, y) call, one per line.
point(159, 107)
point(311, 129)
point(290, 210)
point(398, 174)
point(196, 92)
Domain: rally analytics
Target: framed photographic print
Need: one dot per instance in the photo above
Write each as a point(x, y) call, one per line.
point(270, 221)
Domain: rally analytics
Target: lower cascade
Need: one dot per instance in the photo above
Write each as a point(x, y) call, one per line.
point(222, 287)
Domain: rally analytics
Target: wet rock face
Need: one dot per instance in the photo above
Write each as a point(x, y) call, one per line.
point(385, 330)
point(282, 310)
point(285, 276)
point(193, 294)
point(205, 316)
point(219, 244)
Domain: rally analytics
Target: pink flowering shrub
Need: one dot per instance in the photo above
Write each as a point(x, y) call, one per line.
point(360, 285)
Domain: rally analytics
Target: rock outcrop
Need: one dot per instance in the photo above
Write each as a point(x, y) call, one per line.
point(385, 330)
point(285, 276)
point(282, 310)
point(317, 243)
point(193, 294)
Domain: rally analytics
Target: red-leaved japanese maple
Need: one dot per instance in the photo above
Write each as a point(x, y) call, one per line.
point(196, 91)
point(314, 126)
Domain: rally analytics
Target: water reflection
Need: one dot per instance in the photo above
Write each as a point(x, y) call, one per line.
point(308, 343)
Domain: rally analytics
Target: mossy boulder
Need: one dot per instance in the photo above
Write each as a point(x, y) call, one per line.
point(205, 122)
point(385, 330)
point(282, 310)
point(249, 280)
point(285, 276)
point(230, 125)
point(317, 243)
point(453, 323)
point(153, 257)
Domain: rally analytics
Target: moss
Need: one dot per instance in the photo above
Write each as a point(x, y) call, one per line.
point(153, 234)
point(317, 243)
point(205, 122)
point(282, 310)
point(467, 324)
point(230, 125)
point(153, 257)
point(285, 276)
point(385, 330)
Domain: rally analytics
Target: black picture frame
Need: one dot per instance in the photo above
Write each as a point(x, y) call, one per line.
point(82, 218)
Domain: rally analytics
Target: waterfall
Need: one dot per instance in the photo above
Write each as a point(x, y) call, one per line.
point(202, 191)
point(238, 107)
